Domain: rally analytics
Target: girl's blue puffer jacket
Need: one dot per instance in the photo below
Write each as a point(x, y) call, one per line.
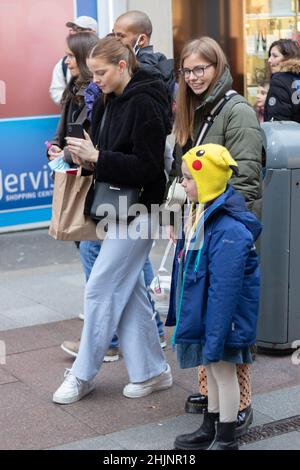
point(215, 300)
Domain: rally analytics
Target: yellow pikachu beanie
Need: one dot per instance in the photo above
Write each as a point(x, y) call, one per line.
point(211, 167)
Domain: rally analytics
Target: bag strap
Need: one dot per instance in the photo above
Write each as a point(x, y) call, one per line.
point(209, 120)
point(82, 116)
point(102, 126)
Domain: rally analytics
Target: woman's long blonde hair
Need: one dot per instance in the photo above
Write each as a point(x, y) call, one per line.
point(186, 103)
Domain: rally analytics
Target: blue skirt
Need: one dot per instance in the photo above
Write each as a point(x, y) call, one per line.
point(191, 355)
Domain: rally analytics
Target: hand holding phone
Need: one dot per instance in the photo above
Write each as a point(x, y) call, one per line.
point(82, 147)
point(75, 130)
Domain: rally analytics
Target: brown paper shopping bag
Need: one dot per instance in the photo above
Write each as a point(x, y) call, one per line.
point(68, 220)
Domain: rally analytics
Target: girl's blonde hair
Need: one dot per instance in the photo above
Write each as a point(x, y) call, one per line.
point(112, 51)
point(186, 103)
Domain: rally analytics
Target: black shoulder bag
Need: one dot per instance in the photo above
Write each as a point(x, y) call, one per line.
point(113, 201)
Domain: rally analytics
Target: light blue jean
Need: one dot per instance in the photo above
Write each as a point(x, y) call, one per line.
point(116, 300)
point(89, 251)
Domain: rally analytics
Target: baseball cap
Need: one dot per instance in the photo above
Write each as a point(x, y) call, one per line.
point(211, 167)
point(86, 22)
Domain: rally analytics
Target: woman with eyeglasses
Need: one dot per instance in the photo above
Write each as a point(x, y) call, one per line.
point(204, 80)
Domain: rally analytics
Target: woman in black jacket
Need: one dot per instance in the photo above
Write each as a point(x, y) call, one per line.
point(127, 148)
point(283, 100)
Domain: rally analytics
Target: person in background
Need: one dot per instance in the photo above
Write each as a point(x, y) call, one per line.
point(73, 103)
point(61, 74)
point(215, 290)
point(262, 91)
point(204, 80)
point(135, 29)
point(128, 149)
point(283, 99)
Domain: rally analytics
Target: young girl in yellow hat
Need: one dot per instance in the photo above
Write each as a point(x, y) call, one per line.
point(215, 290)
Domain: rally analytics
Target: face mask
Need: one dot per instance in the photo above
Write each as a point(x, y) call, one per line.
point(136, 47)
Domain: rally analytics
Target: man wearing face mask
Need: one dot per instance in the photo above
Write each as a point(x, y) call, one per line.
point(135, 28)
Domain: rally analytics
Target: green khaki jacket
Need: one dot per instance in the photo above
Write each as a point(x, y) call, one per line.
point(236, 127)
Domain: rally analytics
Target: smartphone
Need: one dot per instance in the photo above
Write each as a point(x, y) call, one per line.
point(75, 130)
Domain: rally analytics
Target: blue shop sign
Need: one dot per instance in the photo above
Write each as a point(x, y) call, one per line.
point(26, 184)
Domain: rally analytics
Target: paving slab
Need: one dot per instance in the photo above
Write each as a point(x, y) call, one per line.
point(279, 404)
point(36, 361)
point(8, 323)
point(40, 336)
point(32, 248)
point(46, 287)
point(10, 298)
point(154, 436)
point(271, 372)
point(27, 422)
point(6, 377)
point(96, 443)
point(36, 314)
point(42, 369)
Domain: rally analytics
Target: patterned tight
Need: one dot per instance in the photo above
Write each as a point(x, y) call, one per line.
point(244, 378)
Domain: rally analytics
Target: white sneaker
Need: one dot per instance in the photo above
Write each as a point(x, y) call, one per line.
point(81, 316)
point(142, 389)
point(72, 389)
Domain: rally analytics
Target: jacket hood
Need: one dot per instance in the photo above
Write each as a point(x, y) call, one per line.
point(146, 56)
point(143, 83)
point(233, 203)
point(157, 65)
point(291, 65)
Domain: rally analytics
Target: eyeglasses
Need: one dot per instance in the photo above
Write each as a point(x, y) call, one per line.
point(197, 71)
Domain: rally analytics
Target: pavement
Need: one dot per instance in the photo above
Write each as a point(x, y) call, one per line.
point(41, 295)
